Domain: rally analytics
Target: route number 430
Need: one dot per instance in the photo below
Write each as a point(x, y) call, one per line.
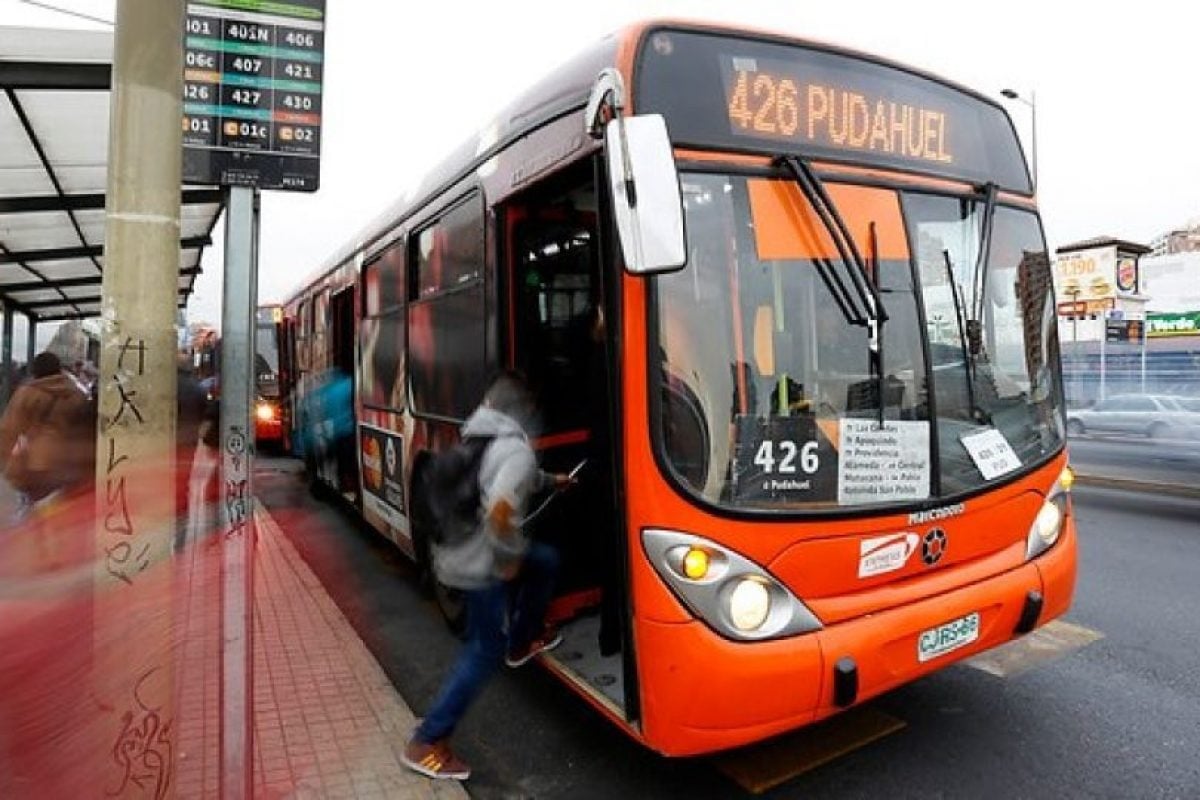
point(784, 462)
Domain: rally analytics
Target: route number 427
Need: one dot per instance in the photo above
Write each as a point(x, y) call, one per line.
point(784, 461)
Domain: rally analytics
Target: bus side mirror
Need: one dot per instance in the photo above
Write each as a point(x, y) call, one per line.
point(645, 194)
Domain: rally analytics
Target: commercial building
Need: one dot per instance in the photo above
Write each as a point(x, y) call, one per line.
point(1127, 321)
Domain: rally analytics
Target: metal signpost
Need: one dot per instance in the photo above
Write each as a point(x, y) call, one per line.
point(253, 71)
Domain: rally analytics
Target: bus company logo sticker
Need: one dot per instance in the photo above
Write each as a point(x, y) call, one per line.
point(884, 554)
point(933, 546)
point(935, 514)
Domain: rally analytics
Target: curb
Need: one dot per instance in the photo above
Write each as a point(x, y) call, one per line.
point(1130, 485)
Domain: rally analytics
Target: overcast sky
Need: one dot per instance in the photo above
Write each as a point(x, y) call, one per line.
point(1117, 115)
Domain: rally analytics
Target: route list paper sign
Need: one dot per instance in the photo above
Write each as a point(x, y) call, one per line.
point(253, 71)
point(991, 452)
point(885, 463)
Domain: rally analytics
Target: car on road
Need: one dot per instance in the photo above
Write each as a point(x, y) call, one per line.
point(1188, 403)
point(1152, 415)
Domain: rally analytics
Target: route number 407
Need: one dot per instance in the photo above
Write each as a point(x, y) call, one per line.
point(784, 462)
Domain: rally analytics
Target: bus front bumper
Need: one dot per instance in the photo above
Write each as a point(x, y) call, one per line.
point(701, 692)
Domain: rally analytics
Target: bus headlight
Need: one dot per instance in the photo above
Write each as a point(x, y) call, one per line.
point(749, 604)
point(265, 412)
point(730, 593)
point(1048, 524)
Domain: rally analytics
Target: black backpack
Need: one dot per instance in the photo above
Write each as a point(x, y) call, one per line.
point(452, 490)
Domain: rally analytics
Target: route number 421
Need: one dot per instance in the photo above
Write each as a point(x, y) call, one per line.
point(784, 461)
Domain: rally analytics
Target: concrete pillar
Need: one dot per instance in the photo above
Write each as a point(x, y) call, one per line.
point(135, 464)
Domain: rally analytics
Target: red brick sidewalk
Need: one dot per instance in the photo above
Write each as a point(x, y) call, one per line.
point(327, 721)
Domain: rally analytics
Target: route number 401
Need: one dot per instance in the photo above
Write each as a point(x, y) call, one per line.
point(789, 453)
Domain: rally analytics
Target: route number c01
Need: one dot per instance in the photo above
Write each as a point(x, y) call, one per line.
point(789, 452)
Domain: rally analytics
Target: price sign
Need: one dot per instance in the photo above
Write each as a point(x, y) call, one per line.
point(253, 71)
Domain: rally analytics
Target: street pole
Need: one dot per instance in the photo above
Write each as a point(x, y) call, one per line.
point(1012, 94)
point(237, 508)
point(6, 348)
point(1103, 349)
point(1143, 357)
point(1033, 135)
point(133, 679)
point(31, 341)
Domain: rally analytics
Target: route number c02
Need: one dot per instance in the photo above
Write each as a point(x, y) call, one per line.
point(789, 453)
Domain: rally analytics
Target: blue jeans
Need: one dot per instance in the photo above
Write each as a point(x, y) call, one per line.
point(486, 641)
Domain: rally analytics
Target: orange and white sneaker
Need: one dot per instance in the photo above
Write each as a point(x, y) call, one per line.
point(435, 760)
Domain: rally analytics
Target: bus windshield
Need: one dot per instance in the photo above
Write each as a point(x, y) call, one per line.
point(769, 398)
point(266, 356)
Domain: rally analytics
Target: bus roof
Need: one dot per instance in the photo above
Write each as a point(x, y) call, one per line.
point(562, 91)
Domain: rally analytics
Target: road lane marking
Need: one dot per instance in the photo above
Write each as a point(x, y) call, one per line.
point(1050, 642)
point(765, 765)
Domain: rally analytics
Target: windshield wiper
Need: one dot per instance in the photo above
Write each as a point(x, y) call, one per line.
point(865, 307)
point(875, 328)
point(960, 317)
point(859, 301)
point(975, 320)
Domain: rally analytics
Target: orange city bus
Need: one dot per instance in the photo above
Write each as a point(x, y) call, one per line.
point(791, 307)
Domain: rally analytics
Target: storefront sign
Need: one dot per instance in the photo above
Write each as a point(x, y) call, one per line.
point(1182, 324)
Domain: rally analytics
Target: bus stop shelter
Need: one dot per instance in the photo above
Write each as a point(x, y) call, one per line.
point(54, 133)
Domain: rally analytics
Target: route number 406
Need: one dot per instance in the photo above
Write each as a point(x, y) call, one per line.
point(784, 462)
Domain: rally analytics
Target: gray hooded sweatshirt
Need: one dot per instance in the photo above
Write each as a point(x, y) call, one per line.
point(508, 471)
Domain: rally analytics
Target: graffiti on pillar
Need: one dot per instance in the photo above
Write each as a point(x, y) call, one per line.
point(236, 487)
point(117, 519)
point(143, 747)
point(123, 559)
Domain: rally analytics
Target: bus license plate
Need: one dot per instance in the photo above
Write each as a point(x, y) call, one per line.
point(950, 636)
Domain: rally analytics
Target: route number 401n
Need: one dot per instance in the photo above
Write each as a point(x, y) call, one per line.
point(789, 453)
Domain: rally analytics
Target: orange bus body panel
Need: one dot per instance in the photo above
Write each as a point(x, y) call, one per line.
point(703, 693)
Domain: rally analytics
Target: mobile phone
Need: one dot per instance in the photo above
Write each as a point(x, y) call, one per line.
point(575, 471)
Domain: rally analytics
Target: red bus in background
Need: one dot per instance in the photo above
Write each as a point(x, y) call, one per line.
point(268, 414)
point(793, 305)
point(205, 346)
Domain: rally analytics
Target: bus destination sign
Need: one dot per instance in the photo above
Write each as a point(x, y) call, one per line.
point(778, 98)
point(252, 79)
point(767, 99)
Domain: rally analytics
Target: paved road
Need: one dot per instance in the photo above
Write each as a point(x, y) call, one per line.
point(1136, 458)
point(1117, 718)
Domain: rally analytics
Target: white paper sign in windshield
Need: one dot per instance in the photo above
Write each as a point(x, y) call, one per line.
point(992, 453)
point(885, 463)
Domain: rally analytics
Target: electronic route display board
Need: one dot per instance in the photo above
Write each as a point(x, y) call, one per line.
point(253, 71)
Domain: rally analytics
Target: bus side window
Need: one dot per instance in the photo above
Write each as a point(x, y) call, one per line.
point(447, 317)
